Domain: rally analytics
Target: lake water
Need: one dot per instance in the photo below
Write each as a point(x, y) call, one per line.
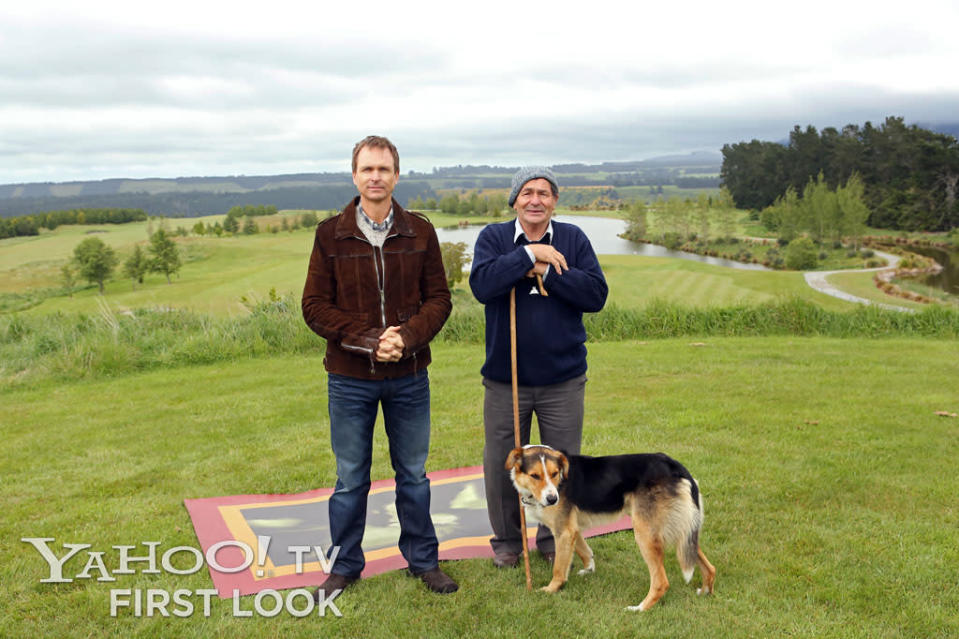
point(947, 279)
point(603, 234)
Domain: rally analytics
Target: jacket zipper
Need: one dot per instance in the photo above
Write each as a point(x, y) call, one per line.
point(381, 281)
point(379, 268)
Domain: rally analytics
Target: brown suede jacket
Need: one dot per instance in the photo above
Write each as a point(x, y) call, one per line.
point(354, 291)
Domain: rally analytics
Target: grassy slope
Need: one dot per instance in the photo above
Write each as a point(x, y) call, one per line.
point(218, 272)
point(829, 500)
point(634, 281)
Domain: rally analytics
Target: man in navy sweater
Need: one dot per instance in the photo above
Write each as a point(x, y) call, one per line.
point(551, 351)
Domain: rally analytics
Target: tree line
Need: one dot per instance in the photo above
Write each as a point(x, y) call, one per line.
point(232, 224)
point(472, 204)
point(822, 213)
point(202, 203)
point(909, 175)
point(677, 220)
point(252, 210)
point(26, 225)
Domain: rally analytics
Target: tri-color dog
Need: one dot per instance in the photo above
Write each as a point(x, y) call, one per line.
point(570, 493)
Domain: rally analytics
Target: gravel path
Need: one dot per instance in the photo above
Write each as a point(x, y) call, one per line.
point(817, 280)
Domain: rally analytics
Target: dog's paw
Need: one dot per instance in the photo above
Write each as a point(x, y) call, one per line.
point(704, 591)
point(553, 587)
point(638, 608)
point(590, 568)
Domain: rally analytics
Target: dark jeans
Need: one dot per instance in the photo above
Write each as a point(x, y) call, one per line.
point(353, 406)
point(559, 413)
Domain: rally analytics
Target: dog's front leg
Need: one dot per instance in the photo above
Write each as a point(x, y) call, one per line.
point(585, 554)
point(564, 558)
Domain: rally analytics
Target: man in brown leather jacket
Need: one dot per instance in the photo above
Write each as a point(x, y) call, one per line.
point(376, 291)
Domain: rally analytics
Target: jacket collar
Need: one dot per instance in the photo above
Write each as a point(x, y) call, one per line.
point(346, 226)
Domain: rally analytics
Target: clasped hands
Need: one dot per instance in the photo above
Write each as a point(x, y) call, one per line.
point(390, 348)
point(546, 256)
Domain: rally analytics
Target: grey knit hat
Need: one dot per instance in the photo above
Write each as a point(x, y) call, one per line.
point(528, 173)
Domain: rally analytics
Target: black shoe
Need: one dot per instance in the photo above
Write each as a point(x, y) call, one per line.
point(438, 581)
point(506, 560)
point(333, 583)
point(549, 556)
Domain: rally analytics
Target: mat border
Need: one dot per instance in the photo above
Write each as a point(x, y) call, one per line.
point(218, 519)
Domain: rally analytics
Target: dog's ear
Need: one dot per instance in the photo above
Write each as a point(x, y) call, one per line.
point(563, 465)
point(514, 459)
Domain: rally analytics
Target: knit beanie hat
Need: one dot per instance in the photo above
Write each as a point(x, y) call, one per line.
point(528, 173)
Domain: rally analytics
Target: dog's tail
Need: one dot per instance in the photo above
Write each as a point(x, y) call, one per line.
point(688, 516)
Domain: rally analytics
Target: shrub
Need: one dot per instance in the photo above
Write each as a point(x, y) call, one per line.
point(60, 346)
point(801, 254)
point(672, 240)
point(455, 256)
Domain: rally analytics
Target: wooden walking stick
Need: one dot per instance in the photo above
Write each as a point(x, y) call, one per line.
point(539, 285)
point(516, 437)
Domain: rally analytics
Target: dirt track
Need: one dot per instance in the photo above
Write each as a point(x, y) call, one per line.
point(817, 280)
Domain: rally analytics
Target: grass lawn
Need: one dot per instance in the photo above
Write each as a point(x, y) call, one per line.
point(862, 285)
point(827, 478)
point(634, 281)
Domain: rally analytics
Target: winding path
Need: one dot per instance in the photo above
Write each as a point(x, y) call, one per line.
point(817, 280)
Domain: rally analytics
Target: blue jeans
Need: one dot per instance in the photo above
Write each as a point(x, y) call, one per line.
point(353, 406)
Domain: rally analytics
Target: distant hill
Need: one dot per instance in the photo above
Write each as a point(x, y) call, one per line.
point(153, 186)
point(949, 128)
point(196, 196)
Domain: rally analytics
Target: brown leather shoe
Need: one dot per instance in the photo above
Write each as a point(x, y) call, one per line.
point(438, 581)
point(333, 583)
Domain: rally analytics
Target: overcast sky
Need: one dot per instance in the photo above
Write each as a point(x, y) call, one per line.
point(125, 89)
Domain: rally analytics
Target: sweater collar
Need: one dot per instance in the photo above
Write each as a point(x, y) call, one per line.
point(518, 233)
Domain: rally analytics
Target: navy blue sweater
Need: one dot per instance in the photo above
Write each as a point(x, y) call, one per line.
point(550, 333)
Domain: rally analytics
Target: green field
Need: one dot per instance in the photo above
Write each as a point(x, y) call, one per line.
point(650, 193)
point(218, 272)
point(825, 468)
point(830, 507)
